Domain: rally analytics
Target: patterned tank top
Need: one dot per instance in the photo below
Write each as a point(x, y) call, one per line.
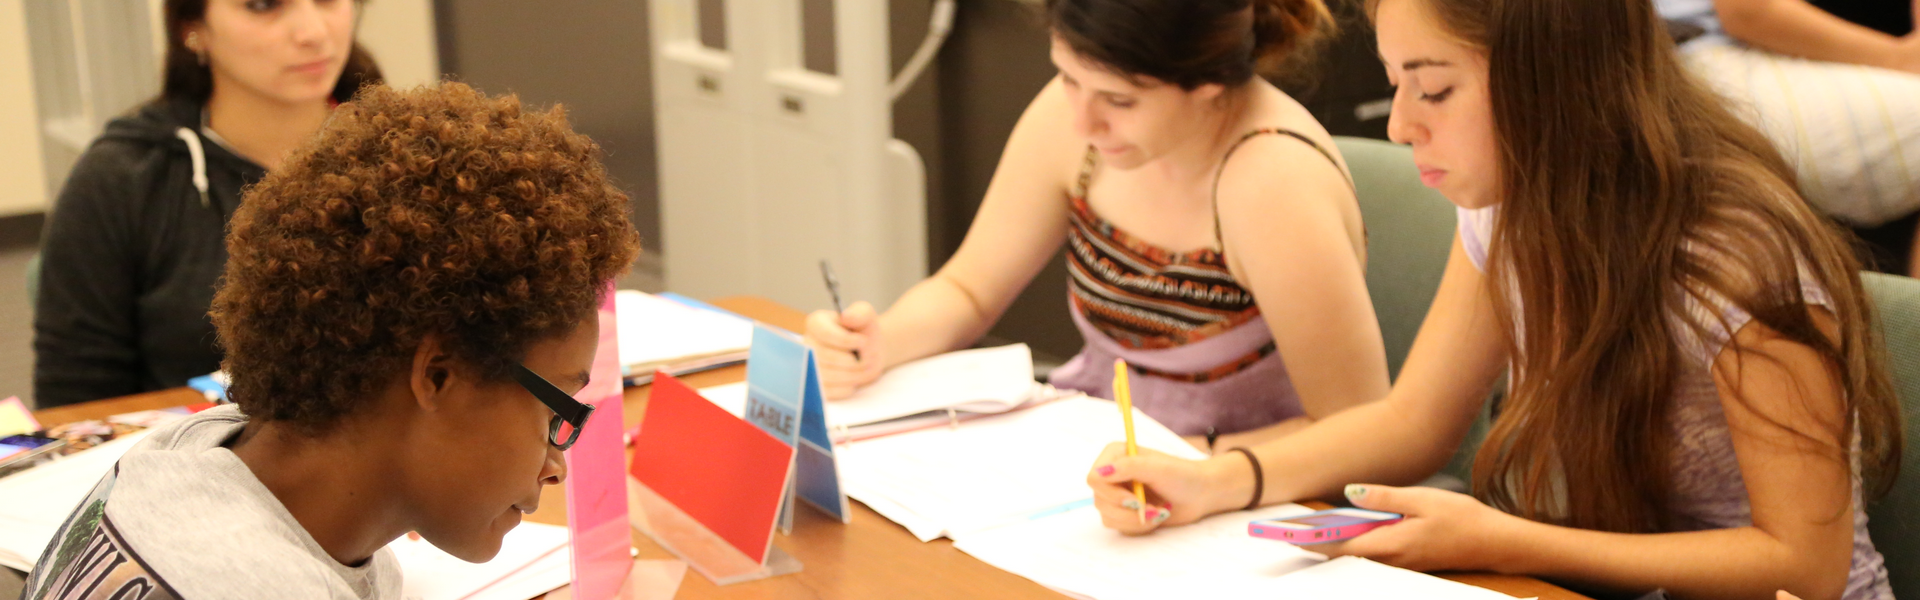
point(1178, 318)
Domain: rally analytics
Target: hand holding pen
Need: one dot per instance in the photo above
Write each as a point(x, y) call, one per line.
point(846, 341)
point(833, 289)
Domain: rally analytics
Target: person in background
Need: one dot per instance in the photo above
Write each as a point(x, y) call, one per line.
point(1214, 240)
point(1841, 100)
point(133, 247)
point(1698, 400)
point(412, 299)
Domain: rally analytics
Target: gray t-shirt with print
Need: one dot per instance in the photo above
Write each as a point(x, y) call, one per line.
point(180, 517)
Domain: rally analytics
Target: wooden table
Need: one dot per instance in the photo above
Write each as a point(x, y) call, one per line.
point(868, 558)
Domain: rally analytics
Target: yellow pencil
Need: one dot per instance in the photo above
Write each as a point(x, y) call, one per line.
point(1124, 396)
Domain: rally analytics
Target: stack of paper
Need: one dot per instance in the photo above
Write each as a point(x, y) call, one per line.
point(534, 559)
point(657, 332)
point(993, 471)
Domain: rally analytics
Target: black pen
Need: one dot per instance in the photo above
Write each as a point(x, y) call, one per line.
point(833, 289)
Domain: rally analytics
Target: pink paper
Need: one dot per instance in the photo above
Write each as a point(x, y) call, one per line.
point(597, 476)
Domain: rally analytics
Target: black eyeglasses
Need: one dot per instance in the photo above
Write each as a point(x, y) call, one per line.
point(569, 415)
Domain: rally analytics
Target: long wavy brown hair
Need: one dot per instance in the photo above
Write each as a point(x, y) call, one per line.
point(1629, 193)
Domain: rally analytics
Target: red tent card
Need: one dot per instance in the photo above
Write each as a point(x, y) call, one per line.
point(720, 470)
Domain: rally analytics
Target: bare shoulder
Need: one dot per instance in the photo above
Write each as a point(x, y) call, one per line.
point(1299, 158)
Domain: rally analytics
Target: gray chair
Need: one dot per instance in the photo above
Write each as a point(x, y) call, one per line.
point(1409, 233)
point(1895, 519)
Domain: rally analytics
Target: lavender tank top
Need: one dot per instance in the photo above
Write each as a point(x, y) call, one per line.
point(1709, 492)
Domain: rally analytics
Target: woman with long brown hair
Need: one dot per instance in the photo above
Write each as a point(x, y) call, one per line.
point(1697, 402)
point(133, 245)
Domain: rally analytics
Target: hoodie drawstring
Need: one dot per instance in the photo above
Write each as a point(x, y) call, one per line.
point(199, 163)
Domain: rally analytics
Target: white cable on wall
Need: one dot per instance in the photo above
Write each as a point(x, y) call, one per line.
point(938, 26)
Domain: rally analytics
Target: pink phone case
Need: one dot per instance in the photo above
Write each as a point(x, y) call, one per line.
point(1319, 535)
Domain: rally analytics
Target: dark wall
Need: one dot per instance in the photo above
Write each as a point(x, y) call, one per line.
point(589, 56)
point(991, 68)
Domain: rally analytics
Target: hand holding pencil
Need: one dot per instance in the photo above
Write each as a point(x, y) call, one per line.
point(1138, 490)
point(1123, 395)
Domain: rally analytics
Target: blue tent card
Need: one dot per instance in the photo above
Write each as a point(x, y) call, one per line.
point(784, 399)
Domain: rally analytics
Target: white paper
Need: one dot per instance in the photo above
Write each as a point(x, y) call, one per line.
point(544, 575)
point(40, 499)
point(732, 397)
point(527, 555)
point(1214, 558)
point(1355, 577)
point(655, 332)
point(984, 380)
point(995, 470)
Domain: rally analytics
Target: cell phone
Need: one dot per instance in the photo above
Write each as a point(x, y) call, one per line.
point(1323, 526)
point(18, 452)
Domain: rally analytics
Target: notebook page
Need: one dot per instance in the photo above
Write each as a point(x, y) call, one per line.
point(979, 380)
point(994, 470)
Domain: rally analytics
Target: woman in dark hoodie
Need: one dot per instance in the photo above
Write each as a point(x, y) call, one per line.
point(134, 246)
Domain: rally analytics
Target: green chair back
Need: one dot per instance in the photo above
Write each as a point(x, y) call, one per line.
point(1894, 521)
point(1409, 233)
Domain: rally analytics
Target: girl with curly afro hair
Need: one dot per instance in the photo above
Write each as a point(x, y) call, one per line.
point(400, 294)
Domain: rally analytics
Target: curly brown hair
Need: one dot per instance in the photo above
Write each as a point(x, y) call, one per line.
point(428, 211)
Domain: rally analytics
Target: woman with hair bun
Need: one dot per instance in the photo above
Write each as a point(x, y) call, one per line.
point(1213, 237)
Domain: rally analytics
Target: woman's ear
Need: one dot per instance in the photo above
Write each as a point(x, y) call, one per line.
point(431, 372)
point(1213, 92)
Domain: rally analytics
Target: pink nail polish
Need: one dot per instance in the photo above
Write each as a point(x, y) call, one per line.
point(1105, 471)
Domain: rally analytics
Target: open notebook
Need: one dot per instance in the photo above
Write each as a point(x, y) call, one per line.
point(981, 380)
point(974, 383)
